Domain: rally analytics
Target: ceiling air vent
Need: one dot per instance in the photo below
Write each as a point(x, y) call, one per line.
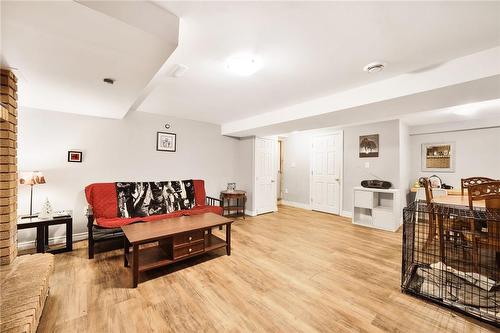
point(374, 67)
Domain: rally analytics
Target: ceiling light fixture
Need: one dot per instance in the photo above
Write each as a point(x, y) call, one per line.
point(374, 67)
point(243, 65)
point(466, 112)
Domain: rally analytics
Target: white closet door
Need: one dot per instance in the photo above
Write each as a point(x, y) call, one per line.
point(326, 173)
point(266, 171)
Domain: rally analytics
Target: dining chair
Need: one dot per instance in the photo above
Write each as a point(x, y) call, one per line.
point(448, 228)
point(467, 182)
point(431, 234)
point(436, 192)
point(490, 238)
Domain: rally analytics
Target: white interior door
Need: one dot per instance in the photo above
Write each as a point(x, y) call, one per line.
point(266, 171)
point(326, 173)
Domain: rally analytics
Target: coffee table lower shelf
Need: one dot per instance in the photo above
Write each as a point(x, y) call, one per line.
point(156, 256)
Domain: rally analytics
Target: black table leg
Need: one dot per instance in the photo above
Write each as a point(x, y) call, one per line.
point(46, 236)
point(40, 239)
point(126, 248)
point(228, 239)
point(69, 235)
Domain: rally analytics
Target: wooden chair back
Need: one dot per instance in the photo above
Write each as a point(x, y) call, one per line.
point(428, 190)
point(467, 182)
point(489, 192)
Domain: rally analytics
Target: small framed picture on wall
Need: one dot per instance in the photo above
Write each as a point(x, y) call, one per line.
point(75, 156)
point(166, 141)
point(368, 145)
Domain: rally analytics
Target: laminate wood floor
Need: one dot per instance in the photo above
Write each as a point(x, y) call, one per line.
point(291, 271)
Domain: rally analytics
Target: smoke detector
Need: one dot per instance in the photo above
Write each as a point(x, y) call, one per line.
point(374, 67)
point(179, 70)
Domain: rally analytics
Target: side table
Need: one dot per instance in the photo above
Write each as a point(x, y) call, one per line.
point(233, 201)
point(42, 231)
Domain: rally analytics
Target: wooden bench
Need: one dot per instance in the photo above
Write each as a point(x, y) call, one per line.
point(23, 290)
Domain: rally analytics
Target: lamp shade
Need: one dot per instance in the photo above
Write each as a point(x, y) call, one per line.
point(31, 178)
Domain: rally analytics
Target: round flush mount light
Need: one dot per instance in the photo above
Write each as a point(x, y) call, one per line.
point(374, 67)
point(243, 65)
point(465, 111)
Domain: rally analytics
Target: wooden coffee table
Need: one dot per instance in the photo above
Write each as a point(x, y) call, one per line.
point(177, 239)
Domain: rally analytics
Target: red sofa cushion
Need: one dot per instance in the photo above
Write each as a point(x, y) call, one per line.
point(102, 198)
point(117, 222)
point(199, 192)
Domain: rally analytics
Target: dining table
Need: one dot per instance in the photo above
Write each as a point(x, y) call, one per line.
point(458, 200)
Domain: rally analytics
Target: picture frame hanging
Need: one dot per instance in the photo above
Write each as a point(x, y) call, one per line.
point(166, 141)
point(75, 156)
point(438, 157)
point(368, 145)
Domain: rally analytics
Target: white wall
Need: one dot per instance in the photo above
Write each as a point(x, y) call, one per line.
point(476, 151)
point(115, 150)
point(297, 161)
point(245, 174)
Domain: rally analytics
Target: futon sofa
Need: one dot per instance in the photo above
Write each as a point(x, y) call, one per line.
point(105, 219)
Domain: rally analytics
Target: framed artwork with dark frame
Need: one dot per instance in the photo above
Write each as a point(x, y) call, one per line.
point(75, 156)
point(368, 145)
point(166, 141)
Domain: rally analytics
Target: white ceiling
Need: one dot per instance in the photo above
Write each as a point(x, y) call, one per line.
point(309, 50)
point(62, 50)
point(473, 111)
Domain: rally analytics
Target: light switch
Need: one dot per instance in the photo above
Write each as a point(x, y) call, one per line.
point(367, 165)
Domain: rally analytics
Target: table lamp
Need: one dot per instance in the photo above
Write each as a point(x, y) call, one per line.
point(31, 178)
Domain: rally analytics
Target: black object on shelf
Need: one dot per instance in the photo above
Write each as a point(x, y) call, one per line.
point(375, 183)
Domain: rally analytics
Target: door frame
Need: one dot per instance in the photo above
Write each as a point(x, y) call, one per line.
point(275, 167)
point(311, 158)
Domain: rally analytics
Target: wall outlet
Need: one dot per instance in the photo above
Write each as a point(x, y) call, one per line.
point(367, 165)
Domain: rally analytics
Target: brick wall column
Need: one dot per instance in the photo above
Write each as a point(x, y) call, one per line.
point(8, 167)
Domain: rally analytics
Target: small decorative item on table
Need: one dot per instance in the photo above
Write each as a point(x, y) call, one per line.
point(231, 187)
point(233, 200)
point(46, 212)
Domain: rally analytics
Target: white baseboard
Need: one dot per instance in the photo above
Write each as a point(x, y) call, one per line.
point(52, 241)
point(296, 204)
point(346, 213)
point(250, 212)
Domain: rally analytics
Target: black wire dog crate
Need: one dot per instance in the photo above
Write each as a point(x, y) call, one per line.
point(451, 256)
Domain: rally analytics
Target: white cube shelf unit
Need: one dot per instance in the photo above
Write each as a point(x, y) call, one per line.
point(377, 208)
